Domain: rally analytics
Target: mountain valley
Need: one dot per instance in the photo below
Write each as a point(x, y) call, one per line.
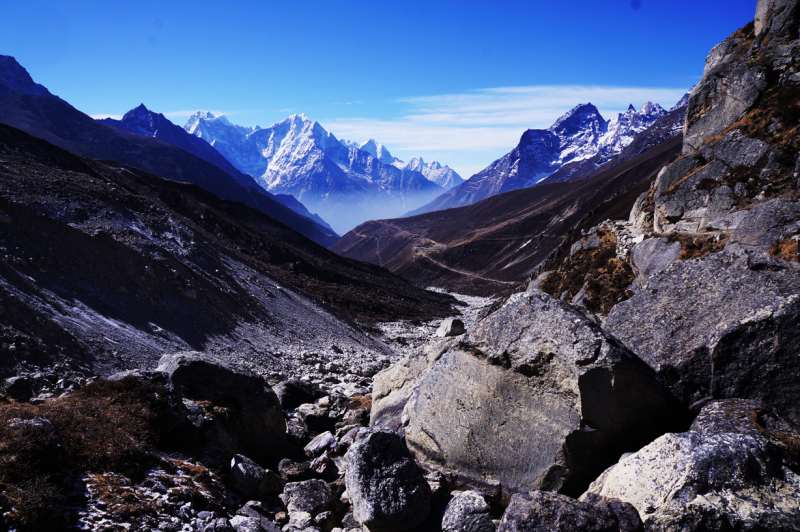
point(597, 332)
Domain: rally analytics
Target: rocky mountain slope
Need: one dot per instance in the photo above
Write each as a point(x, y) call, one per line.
point(670, 407)
point(31, 108)
point(493, 245)
point(297, 156)
point(108, 266)
point(579, 135)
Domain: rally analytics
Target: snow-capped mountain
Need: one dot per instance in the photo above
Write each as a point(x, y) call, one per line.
point(624, 127)
point(143, 121)
point(444, 176)
point(580, 134)
point(297, 156)
point(378, 151)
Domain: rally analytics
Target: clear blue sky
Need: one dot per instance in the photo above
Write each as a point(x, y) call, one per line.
point(423, 77)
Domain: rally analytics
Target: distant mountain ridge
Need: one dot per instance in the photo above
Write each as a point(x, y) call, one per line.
point(297, 156)
point(444, 176)
point(580, 134)
point(33, 109)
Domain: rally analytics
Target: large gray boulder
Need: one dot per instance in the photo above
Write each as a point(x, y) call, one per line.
point(467, 511)
point(651, 256)
point(538, 396)
point(723, 326)
point(386, 488)
point(766, 223)
point(541, 511)
point(710, 480)
point(254, 425)
point(392, 387)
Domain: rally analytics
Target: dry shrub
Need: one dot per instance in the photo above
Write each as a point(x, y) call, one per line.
point(786, 249)
point(605, 277)
point(106, 426)
point(37, 505)
point(697, 247)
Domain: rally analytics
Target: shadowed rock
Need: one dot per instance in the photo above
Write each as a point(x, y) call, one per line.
point(720, 327)
point(541, 511)
point(386, 488)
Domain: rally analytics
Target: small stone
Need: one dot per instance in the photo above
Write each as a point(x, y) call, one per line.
point(450, 327)
point(190, 294)
point(320, 444)
point(467, 512)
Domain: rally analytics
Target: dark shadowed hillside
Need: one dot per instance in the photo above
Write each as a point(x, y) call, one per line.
point(113, 266)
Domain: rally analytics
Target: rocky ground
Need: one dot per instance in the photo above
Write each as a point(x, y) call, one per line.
point(655, 388)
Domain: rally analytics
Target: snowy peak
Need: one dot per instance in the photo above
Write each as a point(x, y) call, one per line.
point(624, 127)
point(578, 133)
point(443, 176)
point(14, 79)
point(378, 151)
point(584, 117)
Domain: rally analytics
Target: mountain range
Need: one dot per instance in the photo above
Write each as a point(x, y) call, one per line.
point(444, 176)
point(580, 134)
point(30, 107)
point(346, 185)
point(143, 121)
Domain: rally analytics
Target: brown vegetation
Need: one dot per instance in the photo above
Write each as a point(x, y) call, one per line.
point(603, 277)
point(698, 246)
point(786, 249)
point(106, 426)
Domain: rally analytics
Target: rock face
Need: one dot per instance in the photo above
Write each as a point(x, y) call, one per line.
point(719, 327)
point(392, 387)
point(386, 488)
point(541, 511)
point(709, 479)
point(256, 421)
point(537, 397)
point(652, 256)
point(740, 136)
point(467, 511)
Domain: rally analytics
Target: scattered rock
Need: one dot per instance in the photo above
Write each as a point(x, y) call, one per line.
point(542, 511)
point(294, 471)
point(246, 476)
point(386, 488)
point(467, 512)
point(256, 419)
point(541, 393)
point(320, 444)
point(19, 388)
point(294, 392)
point(312, 496)
point(241, 523)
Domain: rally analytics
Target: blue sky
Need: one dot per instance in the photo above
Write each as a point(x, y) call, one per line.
point(455, 81)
